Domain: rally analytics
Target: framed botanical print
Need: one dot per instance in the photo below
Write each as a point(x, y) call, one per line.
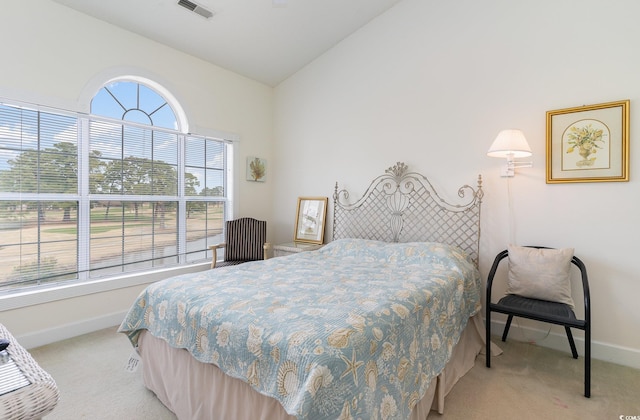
point(256, 169)
point(588, 143)
point(310, 219)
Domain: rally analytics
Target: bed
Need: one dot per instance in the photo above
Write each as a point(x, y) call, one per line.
point(379, 323)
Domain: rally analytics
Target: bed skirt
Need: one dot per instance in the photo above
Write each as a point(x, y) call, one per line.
point(196, 390)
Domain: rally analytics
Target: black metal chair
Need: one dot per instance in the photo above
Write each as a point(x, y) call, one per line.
point(244, 241)
point(545, 311)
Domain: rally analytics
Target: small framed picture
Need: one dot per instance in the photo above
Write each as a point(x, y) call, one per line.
point(310, 219)
point(588, 143)
point(256, 169)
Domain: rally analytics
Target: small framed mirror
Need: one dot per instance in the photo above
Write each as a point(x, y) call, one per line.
point(310, 219)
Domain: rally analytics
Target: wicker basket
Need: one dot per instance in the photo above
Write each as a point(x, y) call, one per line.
point(34, 400)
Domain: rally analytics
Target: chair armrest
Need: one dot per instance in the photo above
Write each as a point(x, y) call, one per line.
point(492, 274)
point(214, 249)
point(268, 250)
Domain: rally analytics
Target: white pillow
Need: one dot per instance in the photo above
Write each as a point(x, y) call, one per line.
point(540, 273)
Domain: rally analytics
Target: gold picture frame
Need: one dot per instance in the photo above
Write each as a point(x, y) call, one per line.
point(310, 219)
point(588, 143)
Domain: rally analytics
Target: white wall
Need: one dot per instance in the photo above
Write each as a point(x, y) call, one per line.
point(431, 83)
point(51, 55)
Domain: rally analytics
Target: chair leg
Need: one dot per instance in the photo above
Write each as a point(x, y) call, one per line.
point(487, 340)
point(506, 328)
point(587, 362)
point(572, 344)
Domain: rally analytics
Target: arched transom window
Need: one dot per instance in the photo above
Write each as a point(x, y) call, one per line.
point(134, 102)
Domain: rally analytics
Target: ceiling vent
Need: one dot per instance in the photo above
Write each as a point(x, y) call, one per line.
point(196, 8)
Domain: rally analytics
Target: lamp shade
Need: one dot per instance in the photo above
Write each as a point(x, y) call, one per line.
point(510, 143)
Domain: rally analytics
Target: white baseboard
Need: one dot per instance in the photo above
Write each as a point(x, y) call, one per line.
point(558, 341)
point(66, 331)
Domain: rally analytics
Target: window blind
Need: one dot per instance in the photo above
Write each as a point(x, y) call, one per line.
point(39, 202)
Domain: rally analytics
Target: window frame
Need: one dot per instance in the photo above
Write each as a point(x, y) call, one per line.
point(84, 283)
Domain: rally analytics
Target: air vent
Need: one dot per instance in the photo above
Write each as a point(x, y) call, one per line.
point(196, 8)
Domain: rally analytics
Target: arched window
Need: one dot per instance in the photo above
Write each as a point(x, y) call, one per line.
point(123, 189)
point(134, 102)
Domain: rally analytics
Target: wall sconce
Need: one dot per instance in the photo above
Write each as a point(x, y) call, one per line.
point(510, 144)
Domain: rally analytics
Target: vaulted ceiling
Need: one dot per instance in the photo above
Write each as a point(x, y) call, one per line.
point(265, 40)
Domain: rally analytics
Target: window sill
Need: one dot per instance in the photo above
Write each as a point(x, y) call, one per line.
point(44, 294)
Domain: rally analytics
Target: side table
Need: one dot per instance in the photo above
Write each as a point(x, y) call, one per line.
point(289, 248)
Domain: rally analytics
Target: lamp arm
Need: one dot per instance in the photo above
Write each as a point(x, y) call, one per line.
point(522, 164)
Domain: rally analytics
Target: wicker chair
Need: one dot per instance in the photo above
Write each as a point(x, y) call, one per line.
point(244, 241)
point(28, 392)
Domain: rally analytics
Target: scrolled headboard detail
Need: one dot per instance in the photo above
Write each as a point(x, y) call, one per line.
point(403, 206)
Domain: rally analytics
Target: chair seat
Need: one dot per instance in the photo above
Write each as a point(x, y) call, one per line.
point(557, 313)
point(228, 263)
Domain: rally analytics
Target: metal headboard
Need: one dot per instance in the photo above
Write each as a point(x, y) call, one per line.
point(402, 206)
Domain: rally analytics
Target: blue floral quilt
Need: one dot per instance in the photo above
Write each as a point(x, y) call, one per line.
point(357, 329)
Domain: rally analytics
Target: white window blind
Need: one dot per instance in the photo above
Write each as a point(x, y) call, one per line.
point(204, 186)
point(39, 205)
point(133, 178)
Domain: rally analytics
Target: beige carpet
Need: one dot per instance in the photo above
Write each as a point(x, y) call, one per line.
point(526, 382)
